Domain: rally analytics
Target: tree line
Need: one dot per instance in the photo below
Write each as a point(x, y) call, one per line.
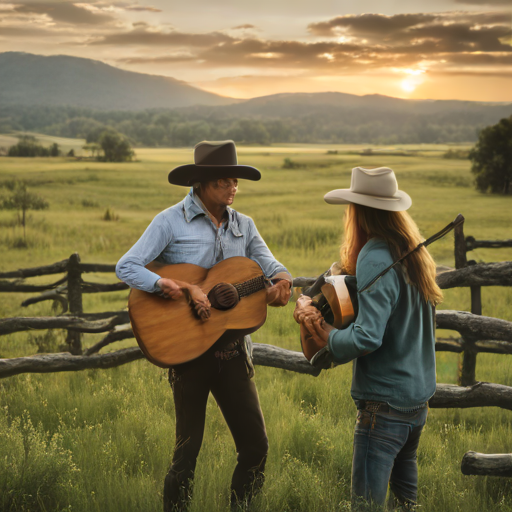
point(184, 127)
point(27, 146)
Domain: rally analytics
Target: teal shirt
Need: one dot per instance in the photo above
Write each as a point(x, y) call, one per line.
point(392, 341)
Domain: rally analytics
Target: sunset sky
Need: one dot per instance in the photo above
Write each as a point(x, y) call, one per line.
point(438, 49)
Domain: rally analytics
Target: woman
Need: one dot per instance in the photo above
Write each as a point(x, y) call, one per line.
point(392, 339)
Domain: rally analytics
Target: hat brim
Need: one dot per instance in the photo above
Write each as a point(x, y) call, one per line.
point(187, 175)
point(398, 203)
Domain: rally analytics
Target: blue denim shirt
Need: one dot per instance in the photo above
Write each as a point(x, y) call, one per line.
point(184, 233)
point(392, 340)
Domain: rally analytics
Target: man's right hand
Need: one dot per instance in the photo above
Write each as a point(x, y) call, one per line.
point(199, 301)
point(170, 290)
point(197, 298)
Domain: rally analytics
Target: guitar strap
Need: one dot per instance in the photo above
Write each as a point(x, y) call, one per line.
point(457, 222)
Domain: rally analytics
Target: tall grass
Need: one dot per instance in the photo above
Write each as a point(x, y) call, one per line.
point(101, 440)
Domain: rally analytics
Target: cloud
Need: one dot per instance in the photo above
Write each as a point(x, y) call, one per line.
point(65, 12)
point(453, 31)
point(146, 36)
point(167, 59)
point(30, 32)
point(141, 8)
point(244, 27)
point(369, 25)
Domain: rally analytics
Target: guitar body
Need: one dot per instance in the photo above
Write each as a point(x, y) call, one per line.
point(169, 332)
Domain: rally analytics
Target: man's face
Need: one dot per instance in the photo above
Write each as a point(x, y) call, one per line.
point(221, 192)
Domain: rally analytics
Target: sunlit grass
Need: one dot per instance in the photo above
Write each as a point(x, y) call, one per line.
point(101, 440)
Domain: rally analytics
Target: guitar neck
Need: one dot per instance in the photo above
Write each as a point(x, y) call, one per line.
point(251, 286)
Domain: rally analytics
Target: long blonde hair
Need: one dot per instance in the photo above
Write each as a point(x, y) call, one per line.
point(401, 234)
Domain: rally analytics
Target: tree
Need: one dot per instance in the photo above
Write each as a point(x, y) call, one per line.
point(492, 158)
point(115, 147)
point(54, 149)
point(22, 201)
point(93, 148)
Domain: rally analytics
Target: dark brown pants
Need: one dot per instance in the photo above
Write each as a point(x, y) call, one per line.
point(228, 381)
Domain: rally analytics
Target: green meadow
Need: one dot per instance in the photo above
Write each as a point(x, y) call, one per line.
point(102, 440)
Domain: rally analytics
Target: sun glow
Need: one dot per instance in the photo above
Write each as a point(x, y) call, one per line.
point(408, 85)
point(413, 80)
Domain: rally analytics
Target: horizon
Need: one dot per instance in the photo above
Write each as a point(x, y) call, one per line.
point(440, 49)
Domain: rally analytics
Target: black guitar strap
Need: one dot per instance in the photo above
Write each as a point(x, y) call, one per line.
point(457, 222)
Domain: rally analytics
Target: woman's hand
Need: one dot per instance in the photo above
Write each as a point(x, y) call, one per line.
point(311, 320)
point(304, 309)
point(318, 328)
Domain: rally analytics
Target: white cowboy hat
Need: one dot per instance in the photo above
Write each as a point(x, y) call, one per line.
point(212, 161)
point(376, 188)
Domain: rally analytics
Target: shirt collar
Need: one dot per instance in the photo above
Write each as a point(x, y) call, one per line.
point(193, 206)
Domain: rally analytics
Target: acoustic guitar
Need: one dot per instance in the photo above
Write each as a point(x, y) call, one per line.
point(169, 332)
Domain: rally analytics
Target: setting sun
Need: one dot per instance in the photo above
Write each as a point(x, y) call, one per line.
point(408, 85)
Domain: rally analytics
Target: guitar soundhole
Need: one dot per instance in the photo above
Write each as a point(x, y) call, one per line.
point(223, 296)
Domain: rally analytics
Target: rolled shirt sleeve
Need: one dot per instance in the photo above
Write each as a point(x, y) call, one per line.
point(375, 307)
point(131, 267)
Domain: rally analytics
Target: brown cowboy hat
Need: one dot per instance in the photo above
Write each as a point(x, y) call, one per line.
point(213, 161)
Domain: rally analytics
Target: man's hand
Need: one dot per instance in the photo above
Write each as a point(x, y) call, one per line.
point(170, 290)
point(197, 298)
point(279, 294)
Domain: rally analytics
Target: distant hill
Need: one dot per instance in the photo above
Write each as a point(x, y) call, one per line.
point(60, 80)
point(300, 104)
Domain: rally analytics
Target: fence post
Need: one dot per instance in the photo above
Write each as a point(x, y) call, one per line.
point(460, 247)
point(468, 370)
point(74, 338)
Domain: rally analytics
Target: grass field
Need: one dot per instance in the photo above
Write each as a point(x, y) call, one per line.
point(102, 440)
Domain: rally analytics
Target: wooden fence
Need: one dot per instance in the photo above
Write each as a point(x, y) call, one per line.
point(478, 333)
point(463, 245)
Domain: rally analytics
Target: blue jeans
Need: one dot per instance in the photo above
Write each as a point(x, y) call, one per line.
point(385, 445)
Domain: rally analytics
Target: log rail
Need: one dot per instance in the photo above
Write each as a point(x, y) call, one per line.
point(499, 464)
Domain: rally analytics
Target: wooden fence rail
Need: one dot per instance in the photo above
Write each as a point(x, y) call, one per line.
point(499, 464)
point(472, 244)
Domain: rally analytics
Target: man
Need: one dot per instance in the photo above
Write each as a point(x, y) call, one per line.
point(203, 230)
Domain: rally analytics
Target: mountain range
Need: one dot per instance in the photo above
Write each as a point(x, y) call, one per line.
point(80, 98)
point(27, 79)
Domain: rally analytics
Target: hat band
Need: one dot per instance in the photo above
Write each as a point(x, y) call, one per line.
point(381, 198)
point(217, 165)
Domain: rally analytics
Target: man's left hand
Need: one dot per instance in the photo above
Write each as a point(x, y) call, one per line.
point(279, 294)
